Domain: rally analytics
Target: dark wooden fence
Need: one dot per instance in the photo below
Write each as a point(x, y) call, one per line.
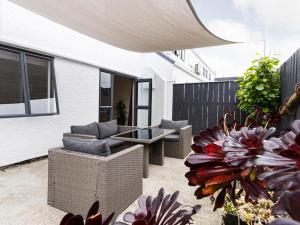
point(204, 104)
point(290, 76)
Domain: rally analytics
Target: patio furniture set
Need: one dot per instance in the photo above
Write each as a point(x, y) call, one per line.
point(107, 162)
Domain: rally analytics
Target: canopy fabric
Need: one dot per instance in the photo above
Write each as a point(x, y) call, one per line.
point(136, 25)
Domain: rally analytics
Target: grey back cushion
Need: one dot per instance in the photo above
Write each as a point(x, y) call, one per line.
point(90, 129)
point(177, 125)
point(107, 129)
point(94, 147)
point(166, 124)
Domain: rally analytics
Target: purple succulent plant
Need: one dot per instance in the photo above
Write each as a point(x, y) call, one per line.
point(289, 203)
point(282, 157)
point(162, 210)
point(222, 158)
point(92, 218)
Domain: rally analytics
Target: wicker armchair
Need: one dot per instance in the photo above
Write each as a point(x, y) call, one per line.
point(76, 180)
point(179, 148)
point(178, 145)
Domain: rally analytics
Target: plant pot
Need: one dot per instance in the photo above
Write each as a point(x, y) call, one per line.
point(230, 219)
point(121, 120)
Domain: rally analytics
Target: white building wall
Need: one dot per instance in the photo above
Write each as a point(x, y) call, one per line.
point(1, 18)
point(77, 62)
point(28, 137)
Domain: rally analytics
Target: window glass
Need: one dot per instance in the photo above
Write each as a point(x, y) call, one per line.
point(12, 101)
point(143, 94)
point(105, 114)
point(105, 83)
point(41, 89)
point(142, 118)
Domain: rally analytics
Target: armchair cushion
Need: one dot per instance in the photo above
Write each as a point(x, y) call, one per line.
point(90, 129)
point(107, 129)
point(177, 125)
point(94, 147)
point(113, 143)
point(172, 137)
point(166, 124)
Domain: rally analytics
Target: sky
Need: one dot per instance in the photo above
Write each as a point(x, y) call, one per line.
point(250, 22)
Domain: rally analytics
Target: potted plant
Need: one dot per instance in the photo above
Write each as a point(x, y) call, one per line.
point(121, 113)
point(260, 86)
point(247, 213)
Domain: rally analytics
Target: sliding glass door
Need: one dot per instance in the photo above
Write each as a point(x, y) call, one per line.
point(106, 96)
point(143, 102)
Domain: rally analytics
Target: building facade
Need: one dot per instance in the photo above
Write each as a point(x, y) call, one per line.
point(53, 77)
point(190, 61)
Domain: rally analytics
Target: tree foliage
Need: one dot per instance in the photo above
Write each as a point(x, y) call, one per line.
point(260, 86)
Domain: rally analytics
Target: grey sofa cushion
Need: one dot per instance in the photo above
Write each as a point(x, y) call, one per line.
point(172, 137)
point(90, 129)
point(166, 124)
point(177, 125)
point(113, 143)
point(94, 147)
point(107, 129)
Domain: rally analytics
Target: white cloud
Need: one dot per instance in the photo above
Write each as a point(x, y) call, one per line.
point(283, 48)
point(276, 14)
point(234, 31)
point(232, 60)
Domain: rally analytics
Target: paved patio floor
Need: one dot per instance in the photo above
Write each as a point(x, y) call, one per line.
point(23, 193)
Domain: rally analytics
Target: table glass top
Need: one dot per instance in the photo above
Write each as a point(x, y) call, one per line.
point(145, 134)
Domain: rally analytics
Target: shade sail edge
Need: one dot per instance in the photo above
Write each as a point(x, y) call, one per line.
point(135, 25)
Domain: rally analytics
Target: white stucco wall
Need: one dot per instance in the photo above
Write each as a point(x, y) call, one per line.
point(77, 62)
point(29, 137)
point(1, 18)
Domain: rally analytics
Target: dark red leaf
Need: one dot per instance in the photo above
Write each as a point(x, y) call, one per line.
point(222, 179)
point(94, 220)
point(66, 218)
point(140, 222)
point(108, 219)
point(93, 210)
point(75, 220)
point(220, 199)
point(284, 222)
point(292, 204)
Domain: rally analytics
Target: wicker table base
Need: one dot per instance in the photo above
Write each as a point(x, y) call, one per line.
point(154, 154)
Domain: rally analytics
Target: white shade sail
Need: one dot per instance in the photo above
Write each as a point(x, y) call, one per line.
point(136, 25)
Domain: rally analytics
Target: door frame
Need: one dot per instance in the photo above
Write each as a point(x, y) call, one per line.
point(136, 106)
point(113, 75)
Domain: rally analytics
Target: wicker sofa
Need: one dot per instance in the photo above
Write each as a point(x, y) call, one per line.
point(76, 180)
point(178, 144)
point(101, 134)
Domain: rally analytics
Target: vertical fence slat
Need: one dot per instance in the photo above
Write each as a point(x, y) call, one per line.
point(290, 76)
point(204, 104)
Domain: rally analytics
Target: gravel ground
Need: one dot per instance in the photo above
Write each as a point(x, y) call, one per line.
point(23, 193)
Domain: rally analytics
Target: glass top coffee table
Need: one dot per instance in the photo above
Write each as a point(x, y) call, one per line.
point(152, 139)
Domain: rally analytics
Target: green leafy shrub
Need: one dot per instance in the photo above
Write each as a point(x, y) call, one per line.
point(260, 86)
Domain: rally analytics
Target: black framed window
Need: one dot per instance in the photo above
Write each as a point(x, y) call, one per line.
point(180, 54)
point(27, 84)
point(143, 102)
point(12, 100)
